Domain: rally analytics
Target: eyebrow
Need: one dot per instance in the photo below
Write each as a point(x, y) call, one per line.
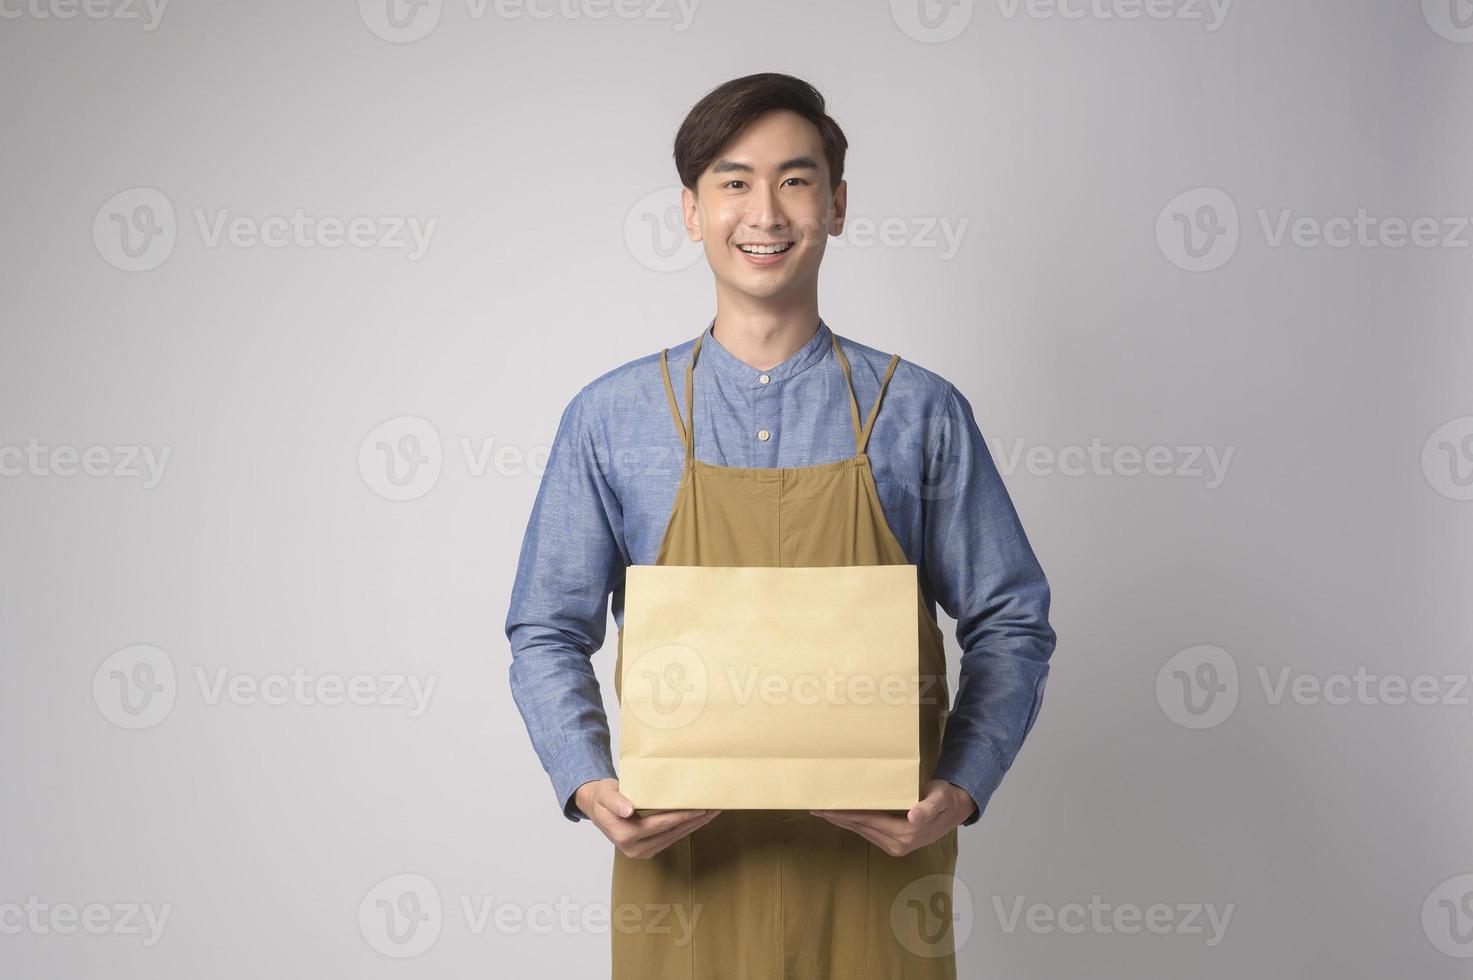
point(736, 166)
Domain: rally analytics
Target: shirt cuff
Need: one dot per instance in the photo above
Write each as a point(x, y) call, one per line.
point(975, 769)
point(578, 763)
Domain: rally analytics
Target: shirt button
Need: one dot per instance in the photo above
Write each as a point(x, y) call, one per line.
point(764, 378)
point(763, 434)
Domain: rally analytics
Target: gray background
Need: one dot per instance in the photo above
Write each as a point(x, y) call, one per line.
point(1337, 540)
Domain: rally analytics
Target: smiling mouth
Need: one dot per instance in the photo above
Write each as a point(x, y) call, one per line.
point(775, 249)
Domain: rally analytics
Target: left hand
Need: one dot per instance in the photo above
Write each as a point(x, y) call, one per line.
point(941, 808)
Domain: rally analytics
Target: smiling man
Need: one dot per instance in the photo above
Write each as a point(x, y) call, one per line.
point(791, 446)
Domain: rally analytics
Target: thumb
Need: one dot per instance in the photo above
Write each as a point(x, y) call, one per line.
point(929, 806)
point(923, 810)
point(619, 803)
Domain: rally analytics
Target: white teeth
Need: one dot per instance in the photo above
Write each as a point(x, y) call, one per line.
point(765, 249)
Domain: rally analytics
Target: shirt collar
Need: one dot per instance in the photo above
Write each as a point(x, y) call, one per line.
point(745, 374)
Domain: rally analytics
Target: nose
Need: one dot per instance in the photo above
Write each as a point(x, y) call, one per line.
point(762, 209)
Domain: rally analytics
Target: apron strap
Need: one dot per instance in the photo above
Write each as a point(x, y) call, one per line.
point(687, 430)
point(861, 435)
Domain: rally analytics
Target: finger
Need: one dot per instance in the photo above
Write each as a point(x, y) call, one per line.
point(866, 830)
point(890, 843)
point(886, 823)
point(659, 823)
point(932, 806)
point(653, 820)
point(850, 813)
point(887, 844)
point(650, 846)
point(617, 803)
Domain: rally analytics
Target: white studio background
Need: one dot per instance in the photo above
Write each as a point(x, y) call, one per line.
point(1129, 230)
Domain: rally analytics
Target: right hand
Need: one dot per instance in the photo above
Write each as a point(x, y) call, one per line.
point(635, 836)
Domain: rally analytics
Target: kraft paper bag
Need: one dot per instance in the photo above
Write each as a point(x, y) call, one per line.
point(770, 688)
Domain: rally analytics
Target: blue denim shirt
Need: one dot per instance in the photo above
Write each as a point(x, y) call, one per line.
point(610, 484)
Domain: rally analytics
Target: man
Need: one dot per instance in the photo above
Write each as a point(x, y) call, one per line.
point(774, 390)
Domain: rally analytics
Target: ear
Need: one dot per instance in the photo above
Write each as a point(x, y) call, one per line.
point(691, 208)
point(839, 209)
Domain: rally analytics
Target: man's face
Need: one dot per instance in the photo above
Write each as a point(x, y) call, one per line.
point(769, 187)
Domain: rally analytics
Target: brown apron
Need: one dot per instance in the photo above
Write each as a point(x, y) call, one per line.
point(773, 894)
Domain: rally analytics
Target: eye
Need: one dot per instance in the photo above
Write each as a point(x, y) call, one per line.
point(735, 180)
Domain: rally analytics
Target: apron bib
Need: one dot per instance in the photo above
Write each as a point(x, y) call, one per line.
point(774, 894)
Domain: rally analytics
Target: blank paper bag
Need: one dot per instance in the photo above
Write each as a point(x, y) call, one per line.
point(770, 688)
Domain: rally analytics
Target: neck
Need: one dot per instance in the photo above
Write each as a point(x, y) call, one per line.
point(764, 339)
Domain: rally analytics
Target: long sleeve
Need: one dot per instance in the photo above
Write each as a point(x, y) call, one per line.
point(984, 574)
point(570, 561)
